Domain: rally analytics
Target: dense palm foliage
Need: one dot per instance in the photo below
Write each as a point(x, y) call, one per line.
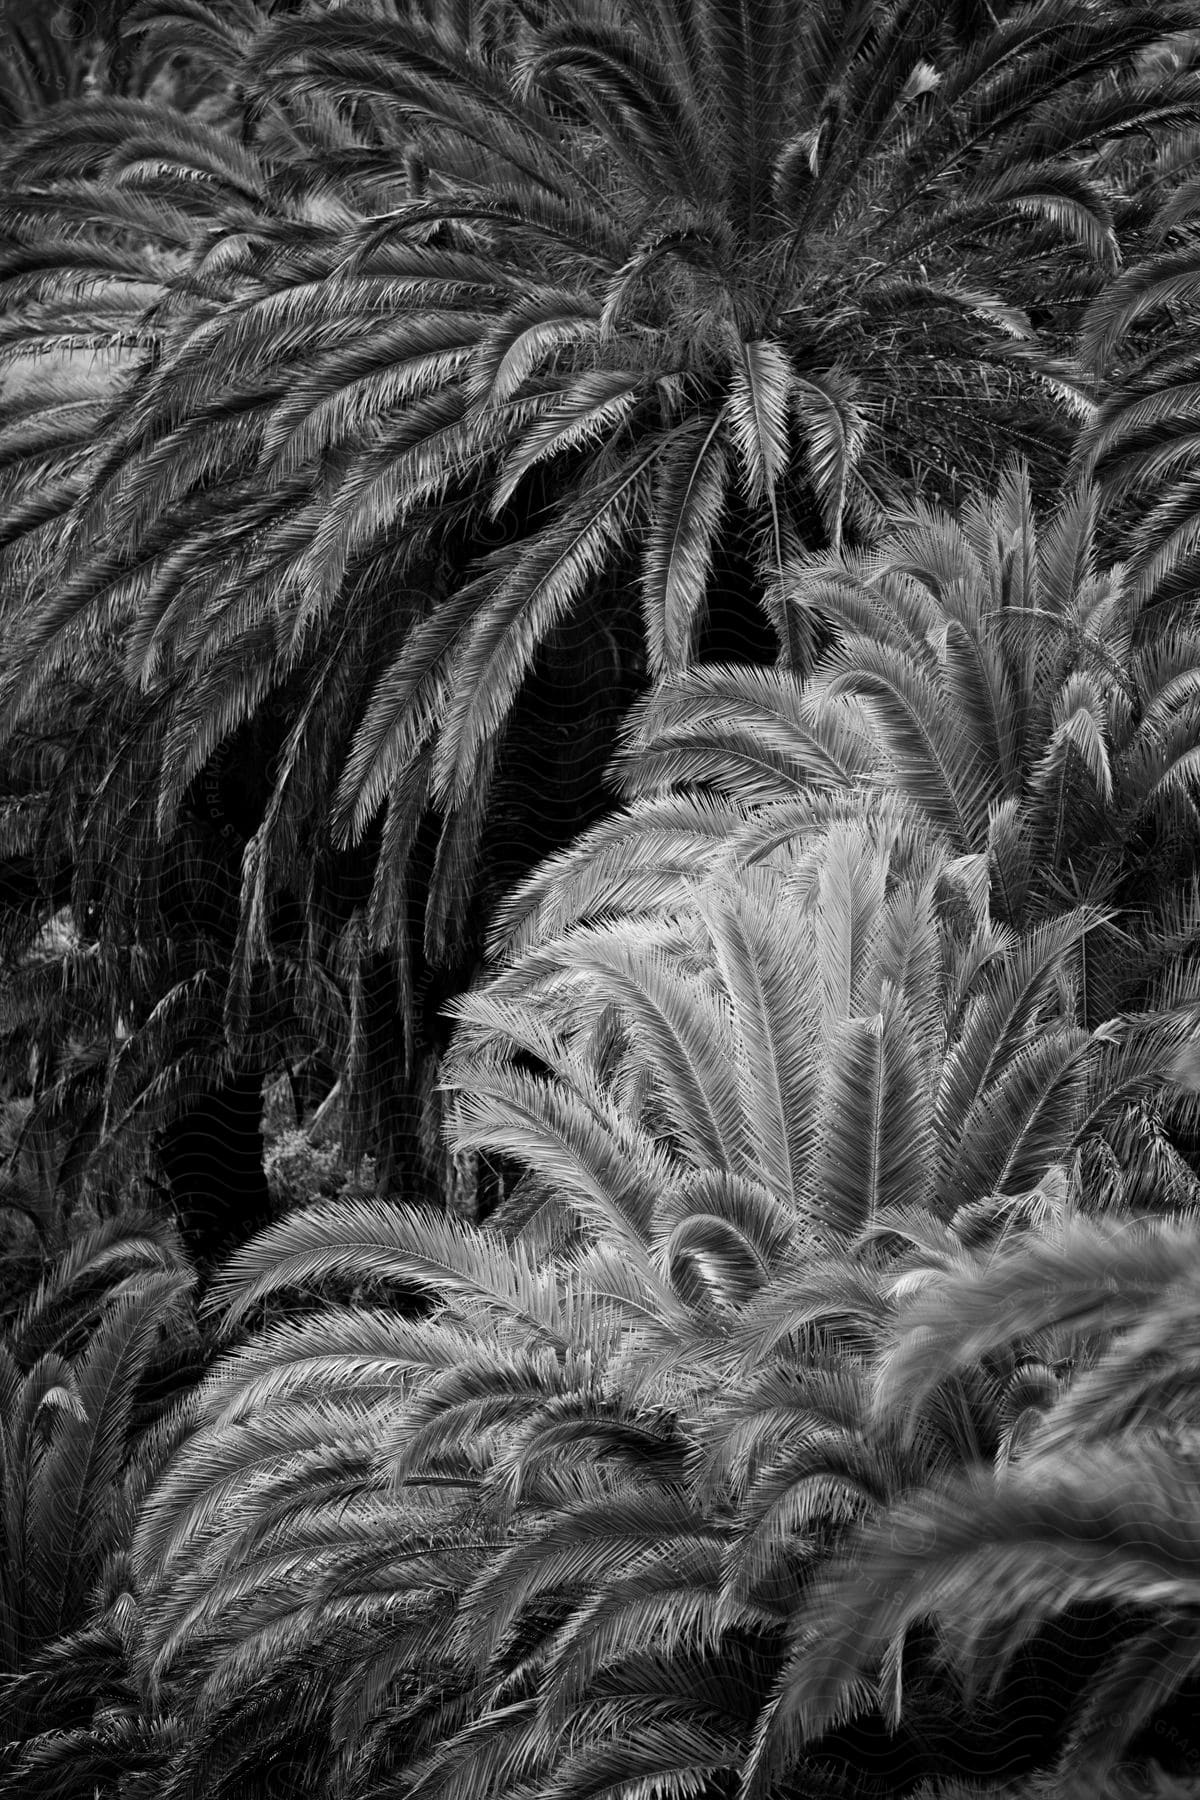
point(81, 1379)
point(607, 594)
point(459, 368)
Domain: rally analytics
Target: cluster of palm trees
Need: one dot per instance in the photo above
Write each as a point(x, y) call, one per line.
point(608, 591)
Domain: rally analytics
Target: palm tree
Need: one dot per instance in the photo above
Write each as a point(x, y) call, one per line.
point(75, 1455)
point(1098, 1507)
point(1137, 365)
point(981, 685)
point(388, 1455)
